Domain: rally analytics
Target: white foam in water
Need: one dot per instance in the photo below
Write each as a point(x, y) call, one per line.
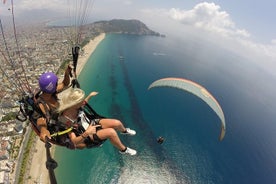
point(146, 170)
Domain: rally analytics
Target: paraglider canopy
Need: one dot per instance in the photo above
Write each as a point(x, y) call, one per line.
point(197, 90)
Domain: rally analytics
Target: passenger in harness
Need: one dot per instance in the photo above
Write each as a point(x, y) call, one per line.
point(47, 102)
point(89, 131)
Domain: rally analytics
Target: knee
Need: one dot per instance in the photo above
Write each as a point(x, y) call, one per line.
point(117, 123)
point(109, 132)
point(112, 132)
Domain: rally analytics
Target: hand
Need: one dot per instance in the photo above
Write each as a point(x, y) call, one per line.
point(90, 95)
point(92, 129)
point(43, 134)
point(94, 93)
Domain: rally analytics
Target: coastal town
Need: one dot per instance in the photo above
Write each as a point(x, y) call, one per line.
point(41, 49)
point(33, 50)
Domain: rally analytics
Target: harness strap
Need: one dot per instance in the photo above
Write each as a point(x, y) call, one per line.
point(62, 132)
point(48, 112)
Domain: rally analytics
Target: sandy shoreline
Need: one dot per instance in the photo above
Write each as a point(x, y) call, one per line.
point(38, 172)
point(88, 50)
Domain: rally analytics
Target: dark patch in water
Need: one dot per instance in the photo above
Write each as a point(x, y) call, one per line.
point(146, 132)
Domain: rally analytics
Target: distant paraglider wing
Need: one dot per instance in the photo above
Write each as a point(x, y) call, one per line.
point(197, 90)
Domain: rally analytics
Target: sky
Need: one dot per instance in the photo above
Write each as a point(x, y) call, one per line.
point(251, 24)
point(255, 19)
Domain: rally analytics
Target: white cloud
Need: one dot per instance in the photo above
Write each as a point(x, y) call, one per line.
point(273, 42)
point(208, 16)
point(208, 22)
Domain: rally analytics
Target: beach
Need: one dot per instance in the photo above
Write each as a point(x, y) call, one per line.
point(87, 50)
point(38, 172)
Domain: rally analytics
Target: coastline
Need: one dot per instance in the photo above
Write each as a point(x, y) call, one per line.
point(38, 172)
point(88, 50)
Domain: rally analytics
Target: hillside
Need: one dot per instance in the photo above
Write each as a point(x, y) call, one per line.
point(124, 26)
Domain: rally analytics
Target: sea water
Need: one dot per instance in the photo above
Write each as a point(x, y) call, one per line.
point(121, 69)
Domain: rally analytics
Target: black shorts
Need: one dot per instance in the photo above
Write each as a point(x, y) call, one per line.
point(96, 142)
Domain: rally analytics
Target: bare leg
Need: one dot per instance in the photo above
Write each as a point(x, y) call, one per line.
point(112, 123)
point(81, 146)
point(111, 134)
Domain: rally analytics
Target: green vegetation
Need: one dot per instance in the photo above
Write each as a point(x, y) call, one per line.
point(63, 66)
point(14, 151)
point(26, 157)
point(9, 116)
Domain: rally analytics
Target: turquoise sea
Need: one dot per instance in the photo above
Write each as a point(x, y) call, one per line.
point(122, 68)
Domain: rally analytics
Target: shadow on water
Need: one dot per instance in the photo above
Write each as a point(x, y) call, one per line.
point(145, 134)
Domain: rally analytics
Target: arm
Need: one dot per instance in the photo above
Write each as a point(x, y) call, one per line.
point(90, 95)
point(66, 80)
point(42, 125)
point(88, 133)
point(77, 140)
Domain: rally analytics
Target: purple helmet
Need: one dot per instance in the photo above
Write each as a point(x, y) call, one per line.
point(48, 82)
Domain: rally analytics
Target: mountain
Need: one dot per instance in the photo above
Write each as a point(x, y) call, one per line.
point(124, 26)
point(132, 26)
